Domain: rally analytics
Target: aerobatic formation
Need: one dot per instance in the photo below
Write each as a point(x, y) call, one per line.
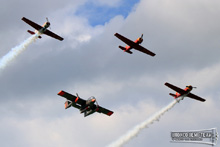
point(90, 106)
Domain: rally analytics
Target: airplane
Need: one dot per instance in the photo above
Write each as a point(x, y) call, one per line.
point(133, 44)
point(181, 93)
point(41, 29)
point(87, 107)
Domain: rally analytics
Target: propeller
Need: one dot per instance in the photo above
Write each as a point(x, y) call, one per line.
point(191, 86)
point(140, 39)
point(48, 22)
point(142, 36)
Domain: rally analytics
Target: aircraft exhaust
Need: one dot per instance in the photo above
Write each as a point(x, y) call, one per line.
point(136, 130)
point(14, 52)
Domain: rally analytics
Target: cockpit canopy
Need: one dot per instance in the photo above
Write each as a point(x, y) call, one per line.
point(92, 98)
point(189, 87)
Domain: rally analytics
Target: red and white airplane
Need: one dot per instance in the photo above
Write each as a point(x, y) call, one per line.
point(41, 29)
point(181, 93)
point(133, 44)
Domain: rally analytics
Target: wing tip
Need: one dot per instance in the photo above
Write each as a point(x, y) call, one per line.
point(110, 113)
point(153, 54)
point(23, 18)
point(61, 93)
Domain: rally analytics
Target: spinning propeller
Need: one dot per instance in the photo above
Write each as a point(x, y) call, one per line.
point(190, 86)
point(142, 36)
point(48, 22)
point(141, 39)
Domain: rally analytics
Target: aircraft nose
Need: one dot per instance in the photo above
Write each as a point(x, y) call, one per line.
point(190, 87)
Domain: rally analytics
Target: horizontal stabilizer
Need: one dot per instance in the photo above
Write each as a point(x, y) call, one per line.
point(31, 32)
point(172, 94)
point(124, 49)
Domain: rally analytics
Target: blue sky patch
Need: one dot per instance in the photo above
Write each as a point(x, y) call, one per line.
point(100, 14)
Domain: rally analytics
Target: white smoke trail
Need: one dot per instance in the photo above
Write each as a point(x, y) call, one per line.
point(135, 131)
point(16, 51)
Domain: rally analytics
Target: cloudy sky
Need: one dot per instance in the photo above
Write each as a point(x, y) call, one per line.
point(183, 34)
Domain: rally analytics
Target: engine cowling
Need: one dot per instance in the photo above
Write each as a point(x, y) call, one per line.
point(67, 104)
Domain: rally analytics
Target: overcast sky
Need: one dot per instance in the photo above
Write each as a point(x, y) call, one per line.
point(184, 35)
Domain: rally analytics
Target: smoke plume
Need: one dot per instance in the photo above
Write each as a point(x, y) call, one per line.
point(14, 52)
point(136, 130)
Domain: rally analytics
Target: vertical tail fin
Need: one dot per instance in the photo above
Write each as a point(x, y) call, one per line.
point(67, 104)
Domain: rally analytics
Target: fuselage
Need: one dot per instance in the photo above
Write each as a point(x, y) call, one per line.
point(137, 41)
point(187, 89)
point(45, 26)
point(90, 107)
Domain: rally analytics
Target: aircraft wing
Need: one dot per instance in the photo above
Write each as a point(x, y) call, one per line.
point(125, 40)
point(51, 34)
point(31, 23)
point(193, 96)
point(72, 98)
point(144, 50)
point(105, 111)
point(177, 89)
point(134, 45)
